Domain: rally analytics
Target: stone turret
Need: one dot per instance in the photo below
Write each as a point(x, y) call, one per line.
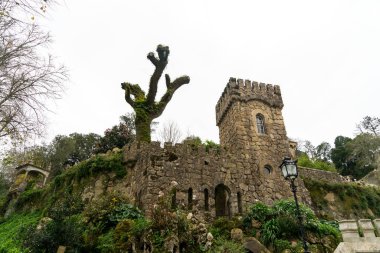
point(250, 120)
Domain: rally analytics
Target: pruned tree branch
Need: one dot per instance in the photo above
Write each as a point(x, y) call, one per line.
point(145, 107)
point(160, 65)
point(171, 88)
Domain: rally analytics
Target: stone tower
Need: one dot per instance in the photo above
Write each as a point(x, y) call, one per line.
point(250, 121)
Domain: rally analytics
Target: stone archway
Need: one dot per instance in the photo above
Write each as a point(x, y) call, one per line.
point(222, 201)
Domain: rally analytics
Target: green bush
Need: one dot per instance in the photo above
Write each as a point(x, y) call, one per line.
point(29, 197)
point(123, 211)
point(222, 226)
point(66, 232)
point(304, 160)
point(222, 245)
point(12, 231)
point(259, 212)
point(110, 162)
point(279, 224)
point(281, 245)
point(106, 242)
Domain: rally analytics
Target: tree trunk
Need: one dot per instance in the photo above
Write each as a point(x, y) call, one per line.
point(143, 128)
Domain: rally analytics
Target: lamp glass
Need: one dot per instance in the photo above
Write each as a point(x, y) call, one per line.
point(292, 170)
point(284, 171)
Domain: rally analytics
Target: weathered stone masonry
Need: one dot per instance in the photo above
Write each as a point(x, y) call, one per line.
point(220, 182)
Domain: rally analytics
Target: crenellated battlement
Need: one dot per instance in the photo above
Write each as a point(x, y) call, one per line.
point(164, 153)
point(244, 91)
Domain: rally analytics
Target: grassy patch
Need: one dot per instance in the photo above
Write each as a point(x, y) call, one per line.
point(11, 231)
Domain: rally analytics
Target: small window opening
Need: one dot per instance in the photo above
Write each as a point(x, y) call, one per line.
point(260, 124)
point(190, 198)
point(174, 199)
point(240, 207)
point(206, 199)
point(267, 170)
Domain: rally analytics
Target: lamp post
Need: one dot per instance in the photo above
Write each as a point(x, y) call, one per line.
point(289, 170)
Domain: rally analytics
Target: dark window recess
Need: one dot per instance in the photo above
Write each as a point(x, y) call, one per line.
point(190, 198)
point(206, 199)
point(240, 206)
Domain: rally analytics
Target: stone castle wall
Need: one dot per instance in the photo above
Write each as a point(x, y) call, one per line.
point(244, 171)
point(158, 171)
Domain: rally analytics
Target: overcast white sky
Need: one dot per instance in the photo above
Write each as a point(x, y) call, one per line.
point(325, 55)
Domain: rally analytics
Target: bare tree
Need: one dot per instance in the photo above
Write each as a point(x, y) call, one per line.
point(28, 78)
point(170, 132)
point(145, 107)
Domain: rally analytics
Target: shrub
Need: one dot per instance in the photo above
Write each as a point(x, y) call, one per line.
point(222, 245)
point(259, 212)
point(123, 211)
point(29, 197)
point(222, 226)
point(12, 231)
point(106, 243)
point(280, 224)
point(66, 232)
point(304, 160)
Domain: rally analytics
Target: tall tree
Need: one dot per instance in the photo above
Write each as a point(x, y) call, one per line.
point(369, 125)
point(340, 154)
point(323, 151)
point(117, 136)
point(28, 78)
point(145, 106)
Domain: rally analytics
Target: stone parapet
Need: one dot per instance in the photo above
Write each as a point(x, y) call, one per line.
point(322, 175)
point(376, 222)
point(352, 242)
point(349, 229)
point(367, 227)
point(245, 90)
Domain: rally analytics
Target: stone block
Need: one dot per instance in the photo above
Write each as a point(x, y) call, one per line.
point(237, 234)
point(377, 225)
point(367, 227)
point(61, 249)
point(349, 229)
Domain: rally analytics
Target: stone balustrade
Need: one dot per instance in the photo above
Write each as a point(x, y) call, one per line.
point(353, 241)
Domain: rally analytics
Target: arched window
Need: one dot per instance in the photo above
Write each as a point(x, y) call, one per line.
point(267, 169)
point(206, 199)
point(240, 207)
point(190, 198)
point(260, 122)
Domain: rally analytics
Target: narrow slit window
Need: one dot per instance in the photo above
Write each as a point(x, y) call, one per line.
point(260, 122)
point(206, 199)
point(190, 198)
point(240, 207)
point(174, 199)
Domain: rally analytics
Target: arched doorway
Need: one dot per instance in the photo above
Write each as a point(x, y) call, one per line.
point(222, 201)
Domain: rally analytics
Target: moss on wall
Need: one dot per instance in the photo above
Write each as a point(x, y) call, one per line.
point(343, 200)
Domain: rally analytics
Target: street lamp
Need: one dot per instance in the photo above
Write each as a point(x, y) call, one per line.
point(289, 170)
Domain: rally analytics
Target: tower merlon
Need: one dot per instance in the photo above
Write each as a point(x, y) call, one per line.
point(244, 91)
